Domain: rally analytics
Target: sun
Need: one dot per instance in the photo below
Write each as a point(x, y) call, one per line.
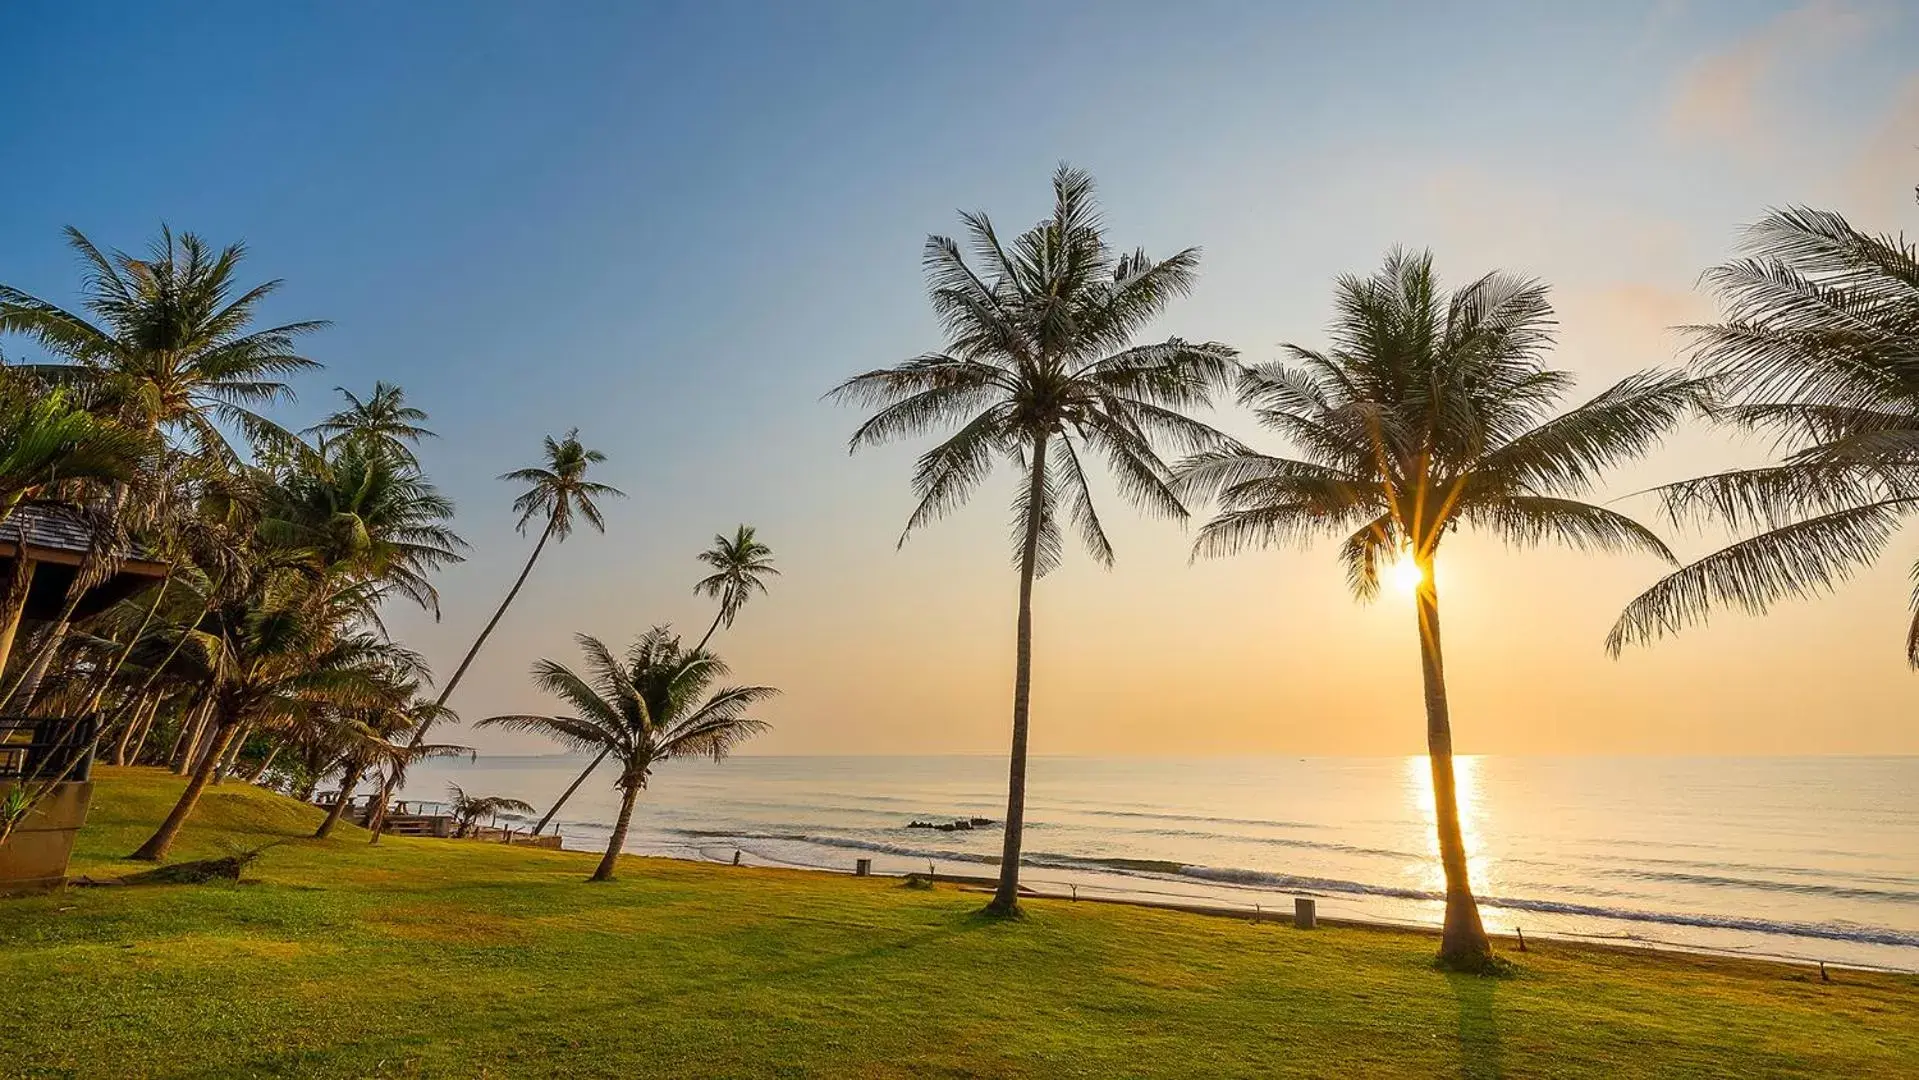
point(1407, 575)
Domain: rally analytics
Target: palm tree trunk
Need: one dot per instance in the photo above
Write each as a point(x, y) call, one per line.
point(146, 728)
point(135, 715)
point(28, 687)
point(18, 583)
point(629, 793)
point(446, 692)
point(708, 636)
point(192, 724)
point(419, 734)
point(1462, 943)
point(156, 846)
point(1006, 897)
point(571, 788)
point(113, 671)
point(226, 762)
point(347, 783)
point(267, 762)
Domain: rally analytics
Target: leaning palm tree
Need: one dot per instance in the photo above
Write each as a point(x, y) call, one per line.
point(653, 705)
point(740, 567)
point(1820, 349)
point(1432, 411)
point(558, 491)
point(469, 809)
point(1040, 369)
point(281, 654)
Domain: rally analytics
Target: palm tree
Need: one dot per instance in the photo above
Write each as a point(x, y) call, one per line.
point(1820, 349)
point(469, 809)
point(173, 348)
point(1432, 411)
point(1040, 367)
point(363, 512)
point(740, 566)
point(383, 420)
point(558, 491)
point(48, 438)
point(652, 706)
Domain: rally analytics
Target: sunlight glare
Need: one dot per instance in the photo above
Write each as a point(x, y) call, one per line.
point(1407, 575)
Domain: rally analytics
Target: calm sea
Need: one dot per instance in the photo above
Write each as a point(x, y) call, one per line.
point(1806, 858)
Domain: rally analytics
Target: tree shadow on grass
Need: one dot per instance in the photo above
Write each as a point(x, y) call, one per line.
point(1479, 1050)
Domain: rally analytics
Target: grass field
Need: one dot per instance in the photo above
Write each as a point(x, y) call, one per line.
point(448, 958)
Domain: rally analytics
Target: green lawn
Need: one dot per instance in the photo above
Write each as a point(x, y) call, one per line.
point(450, 958)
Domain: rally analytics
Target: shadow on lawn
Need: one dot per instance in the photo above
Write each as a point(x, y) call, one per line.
point(1479, 1052)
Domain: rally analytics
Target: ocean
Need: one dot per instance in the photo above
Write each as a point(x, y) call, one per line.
point(1801, 858)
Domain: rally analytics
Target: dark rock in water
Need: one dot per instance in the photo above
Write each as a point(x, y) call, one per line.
point(956, 825)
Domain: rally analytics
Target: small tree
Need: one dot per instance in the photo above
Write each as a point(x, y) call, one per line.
point(652, 706)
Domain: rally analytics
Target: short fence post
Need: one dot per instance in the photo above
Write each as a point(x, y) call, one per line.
point(1305, 916)
point(862, 867)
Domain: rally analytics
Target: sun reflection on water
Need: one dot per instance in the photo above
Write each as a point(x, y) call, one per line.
point(1427, 873)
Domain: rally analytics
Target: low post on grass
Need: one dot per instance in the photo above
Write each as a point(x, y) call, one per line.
point(862, 867)
point(736, 856)
point(1521, 934)
point(1305, 913)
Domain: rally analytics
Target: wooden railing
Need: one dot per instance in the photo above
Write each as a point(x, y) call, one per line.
point(45, 747)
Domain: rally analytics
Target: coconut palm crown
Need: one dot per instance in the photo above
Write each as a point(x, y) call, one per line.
point(171, 345)
point(1819, 350)
point(741, 564)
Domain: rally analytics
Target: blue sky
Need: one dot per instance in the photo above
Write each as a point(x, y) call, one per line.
point(675, 226)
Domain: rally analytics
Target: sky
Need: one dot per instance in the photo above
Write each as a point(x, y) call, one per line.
point(675, 226)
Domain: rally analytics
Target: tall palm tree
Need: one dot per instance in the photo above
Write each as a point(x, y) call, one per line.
point(1432, 411)
point(740, 566)
point(1819, 349)
point(171, 346)
point(653, 705)
point(557, 491)
point(469, 809)
point(1040, 368)
point(383, 420)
